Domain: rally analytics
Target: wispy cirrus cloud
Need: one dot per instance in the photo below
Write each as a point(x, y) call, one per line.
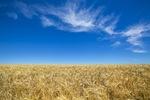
point(138, 51)
point(80, 18)
point(108, 24)
point(47, 22)
point(12, 15)
point(26, 10)
point(73, 16)
point(117, 43)
point(134, 35)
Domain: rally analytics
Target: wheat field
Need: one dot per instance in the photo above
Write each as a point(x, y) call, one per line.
point(75, 82)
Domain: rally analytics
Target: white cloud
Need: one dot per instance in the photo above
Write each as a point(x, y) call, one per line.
point(46, 21)
point(117, 43)
point(135, 33)
point(79, 18)
point(26, 10)
point(108, 24)
point(12, 15)
point(107, 38)
point(138, 51)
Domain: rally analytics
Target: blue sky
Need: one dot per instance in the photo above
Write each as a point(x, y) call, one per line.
point(74, 31)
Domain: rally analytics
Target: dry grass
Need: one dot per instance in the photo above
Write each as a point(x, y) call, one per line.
point(74, 82)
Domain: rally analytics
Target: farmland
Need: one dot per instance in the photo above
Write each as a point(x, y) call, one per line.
point(75, 82)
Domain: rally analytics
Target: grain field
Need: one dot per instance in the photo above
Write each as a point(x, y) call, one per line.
point(75, 82)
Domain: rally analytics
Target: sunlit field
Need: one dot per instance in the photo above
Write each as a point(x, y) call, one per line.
point(74, 82)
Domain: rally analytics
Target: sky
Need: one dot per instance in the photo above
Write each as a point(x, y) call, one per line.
point(74, 32)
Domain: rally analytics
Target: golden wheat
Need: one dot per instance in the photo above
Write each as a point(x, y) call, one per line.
point(74, 82)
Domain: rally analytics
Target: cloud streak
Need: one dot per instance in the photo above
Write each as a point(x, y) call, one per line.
point(117, 43)
point(138, 51)
point(12, 15)
point(26, 10)
point(75, 16)
point(46, 21)
point(134, 35)
point(108, 24)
